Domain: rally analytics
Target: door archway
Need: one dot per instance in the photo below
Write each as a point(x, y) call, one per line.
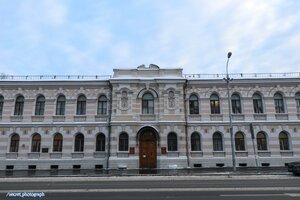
point(148, 149)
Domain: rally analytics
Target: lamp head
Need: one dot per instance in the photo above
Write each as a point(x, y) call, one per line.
point(229, 54)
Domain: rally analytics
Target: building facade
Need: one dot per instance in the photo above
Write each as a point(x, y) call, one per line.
point(148, 118)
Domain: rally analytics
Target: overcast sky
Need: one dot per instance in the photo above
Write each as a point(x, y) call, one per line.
point(96, 36)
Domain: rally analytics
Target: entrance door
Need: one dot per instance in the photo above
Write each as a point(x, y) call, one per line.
point(148, 148)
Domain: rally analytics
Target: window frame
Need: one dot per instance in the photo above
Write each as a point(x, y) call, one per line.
point(284, 143)
point(60, 105)
point(215, 104)
point(40, 105)
point(14, 143)
point(194, 104)
point(81, 105)
point(79, 143)
point(258, 107)
point(297, 98)
point(19, 105)
point(172, 140)
point(102, 105)
point(218, 142)
point(100, 142)
point(236, 104)
point(196, 142)
point(240, 143)
point(36, 141)
point(262, 142)
point(123, 142)
point(148, 104)
point(57, 142)
point(1, 104)
point(279, 103)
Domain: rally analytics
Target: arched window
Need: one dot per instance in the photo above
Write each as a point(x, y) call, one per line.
point(195, 142)
point(40, 105)
point(19, 105)
point(102, 105)
point(36, 143)
point(236, 104)
point(257, 103)
point(279, 105)
point(14, 143)
point(79, 143)
point(239, 142)
point(194, 104)
point(261, 139)
point(172, 142)
point(1, 104)
point(57, 142)
point(284, 141)
point(214, 104)
point(297, 96)
point(147, 104)
point(81, 105)
point(123, 142)
point(100, 142)
point(217, 142)
point(61, 105)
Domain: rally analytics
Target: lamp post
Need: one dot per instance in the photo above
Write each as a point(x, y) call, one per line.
point(227, 79)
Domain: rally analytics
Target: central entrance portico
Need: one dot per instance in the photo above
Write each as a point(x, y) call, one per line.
point(147, 148)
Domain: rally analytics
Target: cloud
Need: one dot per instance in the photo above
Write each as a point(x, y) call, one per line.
point(38, 18)
point(68, 37)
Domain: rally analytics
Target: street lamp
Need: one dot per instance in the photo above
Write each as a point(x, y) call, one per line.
point(227, 79)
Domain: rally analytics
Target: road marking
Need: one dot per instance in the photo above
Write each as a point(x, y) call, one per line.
point(293, 194)
point(246, 189)
point(261, 195)
point(251, 195)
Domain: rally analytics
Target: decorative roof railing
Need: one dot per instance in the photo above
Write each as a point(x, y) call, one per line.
point(54, 77)
point(188, 76)
point(244, 75)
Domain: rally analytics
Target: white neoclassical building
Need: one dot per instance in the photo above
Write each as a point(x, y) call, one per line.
point(148, 117)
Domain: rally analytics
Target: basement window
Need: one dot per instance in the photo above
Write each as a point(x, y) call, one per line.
point(198, 165)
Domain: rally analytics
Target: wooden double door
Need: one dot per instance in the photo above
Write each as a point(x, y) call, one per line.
point(148, 150)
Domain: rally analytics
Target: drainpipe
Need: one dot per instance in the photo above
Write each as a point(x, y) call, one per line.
point(186, 125)
point(109, 126)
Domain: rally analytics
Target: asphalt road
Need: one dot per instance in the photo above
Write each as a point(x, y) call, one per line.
point(144, 188)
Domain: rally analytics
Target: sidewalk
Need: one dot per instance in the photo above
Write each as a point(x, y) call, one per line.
point(215, 172)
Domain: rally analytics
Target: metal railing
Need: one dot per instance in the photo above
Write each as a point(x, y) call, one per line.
point(187, 76)
point(244, 75)
point(55, 77)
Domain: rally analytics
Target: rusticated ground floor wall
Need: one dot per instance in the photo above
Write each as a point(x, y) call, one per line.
point(183, 157)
